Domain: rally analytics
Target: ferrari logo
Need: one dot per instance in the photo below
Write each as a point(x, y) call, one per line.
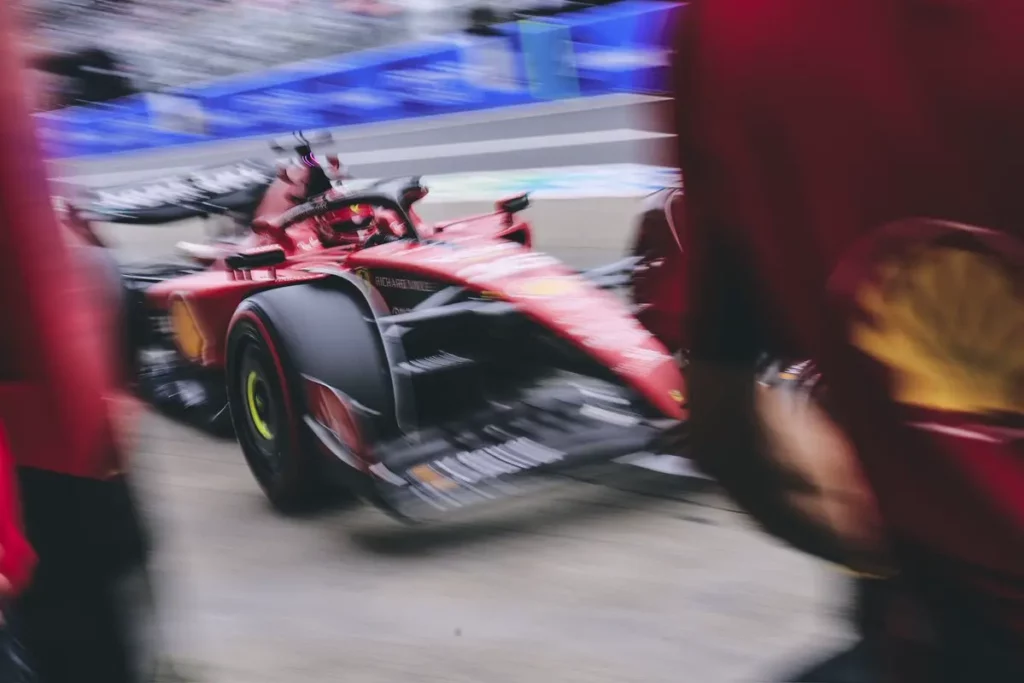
point(364, 275)
point(676, 395)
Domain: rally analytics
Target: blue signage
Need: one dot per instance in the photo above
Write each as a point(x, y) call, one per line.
point(619, 48)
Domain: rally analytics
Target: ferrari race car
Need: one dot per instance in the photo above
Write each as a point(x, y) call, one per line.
point(237, 194)
point(423, 367)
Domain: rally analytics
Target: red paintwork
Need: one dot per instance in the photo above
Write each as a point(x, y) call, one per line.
point(334, 412)
point(658, 283)
point(595, 320)
point(56, 372)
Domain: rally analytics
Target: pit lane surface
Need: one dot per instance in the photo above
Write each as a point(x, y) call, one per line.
point(626, 576)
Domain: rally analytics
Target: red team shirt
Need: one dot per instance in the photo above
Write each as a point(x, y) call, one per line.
point(855, 176)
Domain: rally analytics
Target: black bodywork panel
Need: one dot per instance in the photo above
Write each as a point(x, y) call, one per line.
point(237, 188)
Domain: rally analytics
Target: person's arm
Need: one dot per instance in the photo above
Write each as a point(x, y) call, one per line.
point(725, 336)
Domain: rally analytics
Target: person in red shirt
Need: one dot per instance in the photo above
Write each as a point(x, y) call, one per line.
point(86, 613)
point(17, 560)
point(853, 172)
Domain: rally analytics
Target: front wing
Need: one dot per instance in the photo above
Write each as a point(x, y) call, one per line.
point(505, 450)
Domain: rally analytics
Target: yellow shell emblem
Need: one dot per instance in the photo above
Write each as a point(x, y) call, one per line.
point(950, 324)
point(187, 334)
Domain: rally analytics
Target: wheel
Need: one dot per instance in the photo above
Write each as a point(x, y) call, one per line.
point(277, 337)
point(264, 418)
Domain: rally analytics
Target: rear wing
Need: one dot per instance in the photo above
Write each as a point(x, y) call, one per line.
point(236, 187)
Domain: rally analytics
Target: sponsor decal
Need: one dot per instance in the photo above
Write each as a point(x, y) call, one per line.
point(147, 196)
point(427, 476)
point(439, 361)
point(521, 262)
point(943, 320)
point(548, 287)
point(359, 98)
point(193, 186)
point(309, 245)
point(404, 284)
point(623, 333)
point(187, 334)
point(434, 84)
point(467, 468)
point(676, 395)
point(274, 103)
point(642, 361)
point(230, 179)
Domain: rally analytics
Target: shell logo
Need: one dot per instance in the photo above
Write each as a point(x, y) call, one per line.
point(676, 395)
point(949, 322)
point(547, 287)
point(187, 334)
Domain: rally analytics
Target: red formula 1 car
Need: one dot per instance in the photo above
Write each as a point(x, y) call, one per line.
point(431, 366)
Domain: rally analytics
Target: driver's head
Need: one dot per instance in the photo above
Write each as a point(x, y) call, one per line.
point(342, 226)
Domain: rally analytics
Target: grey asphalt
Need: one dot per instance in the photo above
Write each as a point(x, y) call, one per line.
point(625, 577)
point(605, 582)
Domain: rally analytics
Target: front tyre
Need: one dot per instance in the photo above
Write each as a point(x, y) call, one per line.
point(266, 415)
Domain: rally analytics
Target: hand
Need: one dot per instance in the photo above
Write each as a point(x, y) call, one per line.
point(805, 441)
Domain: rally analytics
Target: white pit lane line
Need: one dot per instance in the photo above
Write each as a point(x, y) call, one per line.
point(405, 154)
point(674, 465)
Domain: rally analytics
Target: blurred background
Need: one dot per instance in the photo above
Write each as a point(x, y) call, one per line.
point(639, 573)
point(95, 51)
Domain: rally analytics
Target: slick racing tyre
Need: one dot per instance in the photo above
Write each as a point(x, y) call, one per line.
point(278, 337)
point(266, 418)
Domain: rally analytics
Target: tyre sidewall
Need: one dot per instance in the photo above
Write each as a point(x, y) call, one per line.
point(289, 488)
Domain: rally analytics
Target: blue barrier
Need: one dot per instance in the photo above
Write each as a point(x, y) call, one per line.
point(618, 48)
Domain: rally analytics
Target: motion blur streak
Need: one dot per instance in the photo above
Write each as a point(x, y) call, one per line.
point(58, 338)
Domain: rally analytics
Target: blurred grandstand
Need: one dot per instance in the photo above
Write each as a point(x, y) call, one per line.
point(165, 43)
point(99, 50)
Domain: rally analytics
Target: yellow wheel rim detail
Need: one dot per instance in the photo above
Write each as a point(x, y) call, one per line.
point(256, 406)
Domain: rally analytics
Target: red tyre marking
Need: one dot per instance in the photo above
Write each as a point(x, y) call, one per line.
point(257, 322)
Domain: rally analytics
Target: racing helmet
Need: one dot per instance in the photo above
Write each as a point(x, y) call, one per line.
point(343, 225)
